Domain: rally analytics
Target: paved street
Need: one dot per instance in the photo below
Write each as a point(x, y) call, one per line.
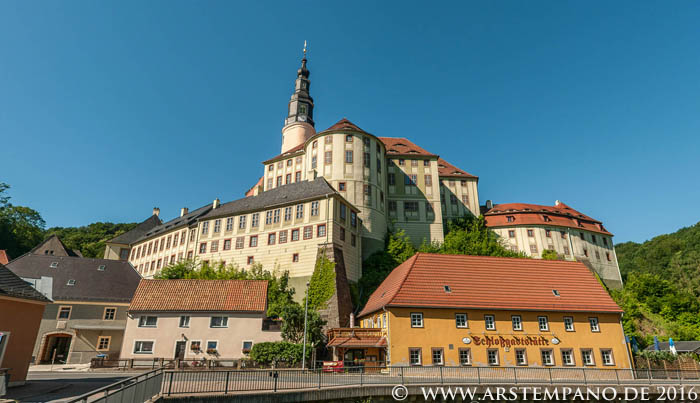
point(59, 386)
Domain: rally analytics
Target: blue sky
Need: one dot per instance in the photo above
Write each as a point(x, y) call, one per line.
point(110, 108)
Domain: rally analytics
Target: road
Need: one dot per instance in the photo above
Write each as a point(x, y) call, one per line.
point(60, 386)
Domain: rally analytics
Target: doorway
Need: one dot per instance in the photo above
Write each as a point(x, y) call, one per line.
point(57, 348)
point(180, 350)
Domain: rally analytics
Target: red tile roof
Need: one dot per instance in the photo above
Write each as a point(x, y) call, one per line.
point(344, 124)
point(447, 169)
point(484, 282)
point(403, 146)
point(361, 341)
point(559, 215)
point(200, 296)
point(4, 258)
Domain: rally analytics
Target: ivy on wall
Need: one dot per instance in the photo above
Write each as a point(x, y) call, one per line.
point(322, 283)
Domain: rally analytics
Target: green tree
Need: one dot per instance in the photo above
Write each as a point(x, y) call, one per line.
point(293, 325)
point(21, 228)
point(90, 239)
point(549, 254)
point(469, 235)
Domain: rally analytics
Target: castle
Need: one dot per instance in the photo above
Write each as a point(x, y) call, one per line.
point(338, 192)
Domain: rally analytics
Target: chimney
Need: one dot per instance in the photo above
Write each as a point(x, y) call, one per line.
point(156, 211)
point(352, 319)
point(216, 203)
point(489, 204)
point(557, 202)
point(184, 211)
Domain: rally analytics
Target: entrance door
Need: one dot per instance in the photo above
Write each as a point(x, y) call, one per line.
point(57, 349)
point(180, 349)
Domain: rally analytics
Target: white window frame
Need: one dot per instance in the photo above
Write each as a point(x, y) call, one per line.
point(571, 357)
point(418, 316)
point(466, 321)
point(590, 355)
point(543, 323)
point(224, 324)
point(187, 321)
point(550, 355)
point(594, 324)
point(70, 312)
point(420, 356)
point(610, 355)
point(488, 357)
point(144, 318)
point(153, 346)
point(524, 362)
point(490, 325)
point(469, 356)
point(519, 322)
point(569, 320)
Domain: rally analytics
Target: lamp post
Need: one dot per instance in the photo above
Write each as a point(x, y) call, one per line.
point(306, 311)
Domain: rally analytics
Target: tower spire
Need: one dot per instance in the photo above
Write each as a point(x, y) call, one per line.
point(300, 111)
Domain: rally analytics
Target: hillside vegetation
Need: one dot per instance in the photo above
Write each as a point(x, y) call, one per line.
point(661, 295)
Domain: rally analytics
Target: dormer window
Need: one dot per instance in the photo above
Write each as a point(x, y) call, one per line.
point(101, 268)
point(448, 289)
point(546, 218)
point(556, 293)
point(510, 218)
point(70, 282)
point(54, 265)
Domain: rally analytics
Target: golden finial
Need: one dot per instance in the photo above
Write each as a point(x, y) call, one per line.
point(305, 48)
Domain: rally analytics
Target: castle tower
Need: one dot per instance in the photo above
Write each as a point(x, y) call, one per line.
point(299, 124)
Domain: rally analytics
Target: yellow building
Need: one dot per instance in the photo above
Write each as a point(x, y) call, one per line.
point(457, 310)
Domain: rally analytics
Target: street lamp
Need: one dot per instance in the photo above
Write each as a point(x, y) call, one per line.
point(306, 310)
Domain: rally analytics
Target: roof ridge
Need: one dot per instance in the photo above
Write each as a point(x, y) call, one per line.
point(405, 277)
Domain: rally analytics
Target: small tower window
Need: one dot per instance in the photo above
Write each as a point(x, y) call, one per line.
point(302, 109)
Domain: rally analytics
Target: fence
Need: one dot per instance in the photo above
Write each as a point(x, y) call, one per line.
point(190, 364)
point(163, 382)
point(140, 388)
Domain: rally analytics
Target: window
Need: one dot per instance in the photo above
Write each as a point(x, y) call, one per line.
point(414, 356)
point(217, 226)
point(148, 321)
point(270, 168)
point(531, 233)
point(392, 179)
point(314, 144)
point(300, 211)
point(314, 208)
point(587, 357)
point(544, 323)
point(353, 240)
point(492, 355)
point(341, 186)
point(308, 232)
point(71, 282)
point(597, 255)
point(343, 212)
point(465, 200)
point(214, 246)
point(283, 236)
point(276, 216)
point(229, 225)
point(582, 237)
point(594, 324)
point(268, 217)
point(295, 258)
point(461, 320)
point(605, 241)
point(295, 234)
point(548, 233)
point(429, 208)
point(510, 218)
point(297, 176)
point(203, 247)
point(490, 322)
point(143, 347)
point(184, 321)
point(607, 256)
point(240, 241)
point(253, 241)
point(103, 343)
point(255, 220)
point(511, 233)
point(520, 356)
point(348, 138)
point(365, 159)
point(567, 252)
point(593, 239)
point(218, 321)
point(416, 319)
point(247, 346)
point(241, 222)
point(367, 190)
point(211, 346)
point(195, 345)
point(64, 313)
point(289, 162)
point(437, 356)
point(517, 322)
point(205, 229)
point(271, 238)
point(607, 357)
point(109, 314)
point(567, 357)
point(269, 183)
point(379, 166)
point(533, 248)
point(321, 230)
point(568, 323)
point(392, 206)
point(287, 214)
point(279, 179)
point(329, 139)
point(465, 356)
point(227, 244)
point(314, 162)
point(453, 199)
point(410, 208)
point(348, 157)
point(251, 260)
point(410, 180)
point(547, 357)
point(402, 162)
point(585, 252)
